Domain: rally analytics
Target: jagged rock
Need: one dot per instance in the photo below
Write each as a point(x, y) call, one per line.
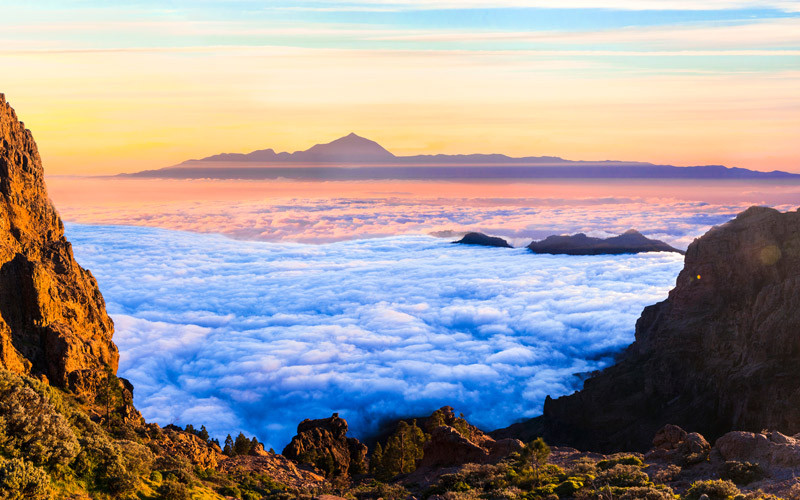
point(720, 354)
point(53, 321)
point(483, 240)
point(324, 444)
point(447, 447)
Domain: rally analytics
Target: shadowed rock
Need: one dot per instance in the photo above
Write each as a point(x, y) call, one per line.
point(720, 354)
point(483, 240)
point(631, 241)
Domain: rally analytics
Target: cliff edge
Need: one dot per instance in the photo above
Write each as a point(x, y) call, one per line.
point(53, 321)
point(721, 353)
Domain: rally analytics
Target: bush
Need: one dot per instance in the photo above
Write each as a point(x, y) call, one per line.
point(741, 472)
point(718, 489)
point(647, 493)
point(22, 480)
point(156, 476)
point(173, 490)
point(667, 474)
point(568, 487)
point(624, 476)
point(624, 460)
point(30, 426)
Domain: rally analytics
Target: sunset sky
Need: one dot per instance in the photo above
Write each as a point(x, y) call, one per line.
point(110, 87)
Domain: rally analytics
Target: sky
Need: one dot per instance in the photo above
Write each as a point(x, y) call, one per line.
point(112, 87)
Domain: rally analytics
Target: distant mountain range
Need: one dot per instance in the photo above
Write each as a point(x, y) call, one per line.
point(355, 158)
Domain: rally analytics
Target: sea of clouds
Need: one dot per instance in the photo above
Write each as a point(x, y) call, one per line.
point(256, 336)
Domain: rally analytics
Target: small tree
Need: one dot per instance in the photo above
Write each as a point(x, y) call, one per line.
point(403, 449)
point(228, 449)
point(534, 454)
point(242, 445)
point(203, 434)
point(376, 461)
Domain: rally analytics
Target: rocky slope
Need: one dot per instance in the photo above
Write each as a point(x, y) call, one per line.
point(631, 241)
point(52, 317)
point(722, 353)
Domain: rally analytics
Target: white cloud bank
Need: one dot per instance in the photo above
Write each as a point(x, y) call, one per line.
point(257, 336)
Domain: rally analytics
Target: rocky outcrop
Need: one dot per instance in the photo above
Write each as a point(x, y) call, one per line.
point(769, 450)
point(324, 444)
point(53, 321)
point(722, 353)
point(675, 445)
point(631, 241)
point(483, 240)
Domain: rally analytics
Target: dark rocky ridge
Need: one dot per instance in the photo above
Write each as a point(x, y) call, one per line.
point(483, 240)
point(53, 321)
point(722, 353)
point(324, 443)
point(631, 241)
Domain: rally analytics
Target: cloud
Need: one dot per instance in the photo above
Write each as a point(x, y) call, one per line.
point(255, 336)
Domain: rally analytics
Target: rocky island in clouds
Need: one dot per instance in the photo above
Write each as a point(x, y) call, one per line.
point(353, 158)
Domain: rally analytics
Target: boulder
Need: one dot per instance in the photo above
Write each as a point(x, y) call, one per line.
point(768, 450)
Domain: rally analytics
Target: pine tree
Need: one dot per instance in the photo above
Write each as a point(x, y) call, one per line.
point(228, 449)
point(203, 434)
point(403, 449)
point(242, 445)
point(190, 429)
point(435, 420)
point(376, 461)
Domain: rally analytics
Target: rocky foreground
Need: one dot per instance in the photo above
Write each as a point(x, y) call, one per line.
point(720, 354)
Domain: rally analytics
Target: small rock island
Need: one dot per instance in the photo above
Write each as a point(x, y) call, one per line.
point(631, 241)
point(483, 240)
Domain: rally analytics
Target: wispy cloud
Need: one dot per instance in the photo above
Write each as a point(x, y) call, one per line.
point(634, 5)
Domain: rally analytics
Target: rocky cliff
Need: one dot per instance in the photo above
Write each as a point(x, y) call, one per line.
point(721, 353)
point(53, 321)
point(324, 444)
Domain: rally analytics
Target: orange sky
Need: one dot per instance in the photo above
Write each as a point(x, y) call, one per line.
point(111, 90)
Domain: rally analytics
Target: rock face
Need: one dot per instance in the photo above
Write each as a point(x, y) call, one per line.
point(324, 444)
point(53, 320)
point(631, 241)
point(722, 353)
point(483, 240)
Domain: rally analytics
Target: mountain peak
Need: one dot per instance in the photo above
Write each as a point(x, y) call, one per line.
point(351, 148)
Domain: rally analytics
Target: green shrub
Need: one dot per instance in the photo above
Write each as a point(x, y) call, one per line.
point(647, 493)
point(741, 472)
point(624, 476)
point(173, 490)
point(568, 487)
point(21, 480)
point(624, 460)
point(156, 476)
point(718, 489)
point(30, 425)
